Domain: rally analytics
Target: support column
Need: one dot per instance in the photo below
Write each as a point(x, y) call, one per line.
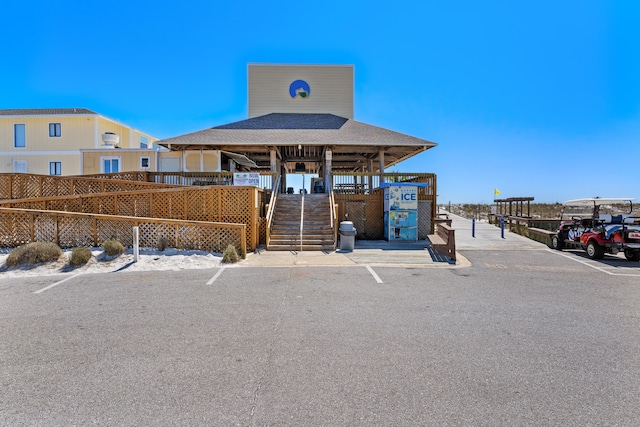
point(283, 177)
point(327, 170)
point(274, 164)
point(370, 170)
point(381, 164)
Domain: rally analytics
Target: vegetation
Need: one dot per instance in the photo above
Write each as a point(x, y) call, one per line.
point(230, 255)
point(482, 211)
point(80, 256)
point(537, 210)
point(163, 243)
point(34, 253)
point(112, 247)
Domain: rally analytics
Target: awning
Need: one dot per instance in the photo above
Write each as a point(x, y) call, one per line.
point(240, 159)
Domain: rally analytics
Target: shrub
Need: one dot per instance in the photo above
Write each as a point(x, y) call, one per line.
point(80, 256)
point(230, 254)
point(163, 243)
point(112, 247)
point(34, 253)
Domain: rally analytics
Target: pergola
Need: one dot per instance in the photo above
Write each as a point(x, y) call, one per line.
point(519, 205)
point(304, 143)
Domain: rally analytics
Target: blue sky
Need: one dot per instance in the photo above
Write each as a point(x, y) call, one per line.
point(534, 98)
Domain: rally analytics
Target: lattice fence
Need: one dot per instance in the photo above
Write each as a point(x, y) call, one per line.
point(425, 221)
point(236, 205)
point(20, 226)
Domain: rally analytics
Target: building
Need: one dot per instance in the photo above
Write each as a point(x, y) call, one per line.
point(301, 120)
point(49, 142)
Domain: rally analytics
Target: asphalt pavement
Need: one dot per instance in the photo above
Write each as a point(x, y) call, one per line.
point(522, 337)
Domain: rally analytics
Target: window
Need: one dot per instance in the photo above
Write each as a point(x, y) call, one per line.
point(110, 164)
point(144, 162)
point(20, 166)
point(55, 130)
point(19, 136)
point(55, 168)
point(144, 142)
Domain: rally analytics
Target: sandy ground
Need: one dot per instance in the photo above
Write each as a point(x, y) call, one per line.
point(170, 259)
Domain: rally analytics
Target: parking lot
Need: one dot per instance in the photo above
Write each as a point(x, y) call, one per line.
point(512, 337)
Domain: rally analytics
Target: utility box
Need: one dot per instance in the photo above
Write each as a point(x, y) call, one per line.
point(401, 210)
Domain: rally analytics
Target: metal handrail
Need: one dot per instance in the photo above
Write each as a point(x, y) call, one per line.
point(331, 204)
point(272, 206)
point(301, 220)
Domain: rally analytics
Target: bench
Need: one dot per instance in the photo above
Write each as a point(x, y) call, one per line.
point(444, 239)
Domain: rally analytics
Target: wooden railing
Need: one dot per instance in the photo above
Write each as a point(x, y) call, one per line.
point(369, 182)
point(334, 215)
point(275, 190)
point(184, 178)
point(27, 186)
point(540, 230)
point(444, 238)
point(20, 226)
point(205, 178)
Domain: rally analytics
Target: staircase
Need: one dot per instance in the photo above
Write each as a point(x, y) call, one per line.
point(317, 234)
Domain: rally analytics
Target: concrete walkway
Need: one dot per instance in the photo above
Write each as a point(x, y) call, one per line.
point(488, 237)
point(409, 254)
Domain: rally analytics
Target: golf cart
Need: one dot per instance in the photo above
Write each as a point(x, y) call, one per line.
point(599, 226)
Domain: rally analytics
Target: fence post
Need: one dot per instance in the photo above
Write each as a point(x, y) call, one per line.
point(473, 227)
point(136, 245)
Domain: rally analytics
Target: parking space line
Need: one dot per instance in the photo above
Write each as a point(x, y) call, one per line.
point(215, 276)
point(595, 267)
point(57, 283)
point(375, 276)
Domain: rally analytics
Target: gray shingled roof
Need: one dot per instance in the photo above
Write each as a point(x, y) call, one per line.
point(44, 111)
point(289, 121)
point(294, 129)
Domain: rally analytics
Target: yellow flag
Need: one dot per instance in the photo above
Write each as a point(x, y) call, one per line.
point(496, 192)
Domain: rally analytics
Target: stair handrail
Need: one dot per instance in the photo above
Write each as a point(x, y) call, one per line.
point(334, 216)
point(272, 206)
point(301, 220)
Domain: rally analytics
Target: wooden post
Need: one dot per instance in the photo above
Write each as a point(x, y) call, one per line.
point(57, 230)
point(273, 160)
point(32, 227)
point(381, 165)
point(184, 205)
point(254, 220)
point(327, 170)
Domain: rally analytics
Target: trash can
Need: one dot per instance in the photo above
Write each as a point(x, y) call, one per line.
point(347, 236)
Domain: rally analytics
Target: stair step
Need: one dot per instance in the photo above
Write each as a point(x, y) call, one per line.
point(297, 247)
point(285, 226)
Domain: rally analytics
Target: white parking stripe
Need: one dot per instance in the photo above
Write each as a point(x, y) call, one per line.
point(215, 276)
point(595, 267)
point(375, 276)
point(57, 283)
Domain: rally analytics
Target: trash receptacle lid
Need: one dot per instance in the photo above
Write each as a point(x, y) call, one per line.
point(346, 225)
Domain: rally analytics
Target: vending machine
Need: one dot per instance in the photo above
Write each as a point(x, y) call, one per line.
point(400, 211)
